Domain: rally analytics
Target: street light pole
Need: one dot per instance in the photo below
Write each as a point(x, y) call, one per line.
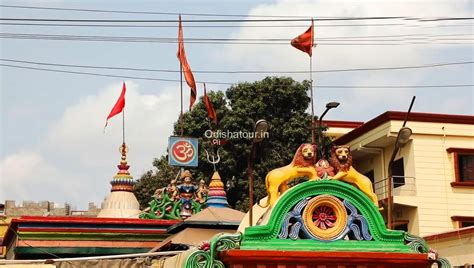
point(402, 138)
point(260, 128)
point(329, 106)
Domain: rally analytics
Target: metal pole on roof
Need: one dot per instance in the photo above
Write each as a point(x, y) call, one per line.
point(396, 148)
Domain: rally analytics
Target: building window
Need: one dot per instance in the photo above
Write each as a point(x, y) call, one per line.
point(466, 224)
point(401, 225)
point(463, 221)
point(463, 160)
point(398, 173)
point(466, 168)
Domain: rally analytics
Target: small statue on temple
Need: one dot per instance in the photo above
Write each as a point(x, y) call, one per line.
point(186, 192)
point(177, 200)
point(172, 190)
point(324, 169)
point(202, 192)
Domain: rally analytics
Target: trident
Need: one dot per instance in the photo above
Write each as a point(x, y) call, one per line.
point(214, 160)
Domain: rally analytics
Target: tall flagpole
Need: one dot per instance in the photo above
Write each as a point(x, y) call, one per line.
point(123, 125)
point(313, 134)
point(123, 122)
point(181, 83)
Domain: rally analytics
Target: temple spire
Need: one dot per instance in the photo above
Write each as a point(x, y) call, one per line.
point(121, 202)
point(217, 196)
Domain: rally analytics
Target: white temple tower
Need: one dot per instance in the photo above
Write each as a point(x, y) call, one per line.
point(121, 202)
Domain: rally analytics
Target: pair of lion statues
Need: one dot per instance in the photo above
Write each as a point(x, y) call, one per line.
point(304, 165)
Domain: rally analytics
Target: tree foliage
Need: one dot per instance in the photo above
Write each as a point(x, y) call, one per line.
point(281, 101)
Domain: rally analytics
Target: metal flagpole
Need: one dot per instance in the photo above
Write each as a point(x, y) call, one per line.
point(123, 125)
point(181, 83)
point(313, 134)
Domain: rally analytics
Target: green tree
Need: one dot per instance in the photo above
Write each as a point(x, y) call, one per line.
point(279, 100)
point(196, 123)
point(152, 180)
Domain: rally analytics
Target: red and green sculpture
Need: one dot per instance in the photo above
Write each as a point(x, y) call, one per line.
point(177, 201)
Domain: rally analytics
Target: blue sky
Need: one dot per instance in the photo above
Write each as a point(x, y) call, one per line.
point(52, 145)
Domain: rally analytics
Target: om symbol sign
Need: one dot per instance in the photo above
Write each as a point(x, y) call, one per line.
point(183, 152)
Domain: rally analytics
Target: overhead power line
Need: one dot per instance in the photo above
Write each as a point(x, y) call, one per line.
point(144, 39)
point(238, 20)
point(396, 37)
point(154, 12)
point(196, 21)
point(320, 18)
point(228, 83)
point(432, 65)
point(196, 26)
point(215, 25)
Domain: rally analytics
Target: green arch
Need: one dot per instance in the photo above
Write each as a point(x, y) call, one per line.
point(266, 236)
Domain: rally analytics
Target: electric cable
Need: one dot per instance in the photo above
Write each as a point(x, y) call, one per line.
point(228, 83)
point(432, 65)
point(236, 20)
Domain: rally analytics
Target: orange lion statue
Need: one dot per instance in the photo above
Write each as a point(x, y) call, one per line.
point(301, 166)
point(341, 160)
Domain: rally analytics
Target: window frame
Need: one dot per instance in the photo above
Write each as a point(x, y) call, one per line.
point(401, 223)
point(460, 219)
point(457, 176)
point(401, 181)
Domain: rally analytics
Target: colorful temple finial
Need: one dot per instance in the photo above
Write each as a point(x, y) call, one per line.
point(121, 202)
point(217, 196)
point(123, 181)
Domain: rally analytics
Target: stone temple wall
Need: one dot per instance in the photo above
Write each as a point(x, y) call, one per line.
point(45, 208)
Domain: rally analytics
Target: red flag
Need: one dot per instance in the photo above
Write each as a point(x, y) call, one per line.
point(118, 107)
point(305, 41)
point(188, 75)
point(211, 113)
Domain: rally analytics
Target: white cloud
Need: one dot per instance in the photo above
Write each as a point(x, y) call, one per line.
point(285, 57)
point(77, 160)
point(24, 173)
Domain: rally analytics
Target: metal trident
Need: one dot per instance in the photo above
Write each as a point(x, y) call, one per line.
point(214, 160)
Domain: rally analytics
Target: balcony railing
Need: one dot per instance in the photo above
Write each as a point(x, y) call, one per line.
point(401, 186)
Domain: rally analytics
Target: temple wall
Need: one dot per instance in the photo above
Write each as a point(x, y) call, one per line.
point(45, 208)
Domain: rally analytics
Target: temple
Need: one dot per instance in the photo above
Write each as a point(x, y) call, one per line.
point(335, 219)
point(121, 201)
point(332, 221)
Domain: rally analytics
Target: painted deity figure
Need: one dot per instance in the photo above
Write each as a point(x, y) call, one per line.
point(324, 169)
point(187, 190)
point(202, 192)
point(172, 190)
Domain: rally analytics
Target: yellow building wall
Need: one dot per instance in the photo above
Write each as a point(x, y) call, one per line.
point(431, 166)
point(457, 249)
point(437, 200)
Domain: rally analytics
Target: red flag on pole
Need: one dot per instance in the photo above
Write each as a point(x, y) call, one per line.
point(118, 107)
point(188, 75)
point(305, 41)
point(211, 113)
